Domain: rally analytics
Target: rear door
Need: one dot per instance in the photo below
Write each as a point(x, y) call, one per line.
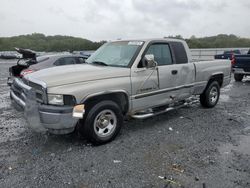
point(182, 71)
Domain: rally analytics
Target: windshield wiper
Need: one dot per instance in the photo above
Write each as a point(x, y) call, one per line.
point(100, 63)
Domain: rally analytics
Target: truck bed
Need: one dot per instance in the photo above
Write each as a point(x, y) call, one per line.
point(205, 69)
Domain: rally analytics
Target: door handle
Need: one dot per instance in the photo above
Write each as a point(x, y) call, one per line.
point(174, 72)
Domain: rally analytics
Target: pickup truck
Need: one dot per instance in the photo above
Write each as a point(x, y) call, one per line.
point(241, 66)
point(138, 79)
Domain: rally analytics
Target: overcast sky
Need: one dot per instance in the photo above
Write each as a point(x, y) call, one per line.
point(127, 19)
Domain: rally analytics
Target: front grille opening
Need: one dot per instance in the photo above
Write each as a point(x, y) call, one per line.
point(40, 92)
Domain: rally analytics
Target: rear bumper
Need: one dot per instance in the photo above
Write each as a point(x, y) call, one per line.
point(240, 71)
point(40, 117)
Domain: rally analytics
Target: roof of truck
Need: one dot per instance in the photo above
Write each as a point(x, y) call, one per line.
point(152, 39)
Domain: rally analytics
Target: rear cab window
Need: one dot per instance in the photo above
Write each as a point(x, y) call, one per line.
point(179, 52)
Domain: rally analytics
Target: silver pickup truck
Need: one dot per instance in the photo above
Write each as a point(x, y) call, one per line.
point(138, 78)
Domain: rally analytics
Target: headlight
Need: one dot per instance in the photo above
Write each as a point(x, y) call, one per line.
point(55, 99)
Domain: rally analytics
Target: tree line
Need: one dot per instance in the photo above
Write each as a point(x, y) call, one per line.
point(218, 41)
point(40, 42)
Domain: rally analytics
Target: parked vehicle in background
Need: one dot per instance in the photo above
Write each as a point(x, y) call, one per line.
point(8, 55)
point(241, 66)
point(227, 54)
point(30, 63)
point(138, 79)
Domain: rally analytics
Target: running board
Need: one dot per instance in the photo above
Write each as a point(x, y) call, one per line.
point(151, 114)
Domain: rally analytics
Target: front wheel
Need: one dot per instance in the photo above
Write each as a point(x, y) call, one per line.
point(102, 123)
point(238, 77)
point(209, 98)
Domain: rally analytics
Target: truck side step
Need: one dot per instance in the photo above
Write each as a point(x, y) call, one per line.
point(151, 113)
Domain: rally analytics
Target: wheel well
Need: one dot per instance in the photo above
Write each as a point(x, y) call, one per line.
point(218, 78)
point(119, 97)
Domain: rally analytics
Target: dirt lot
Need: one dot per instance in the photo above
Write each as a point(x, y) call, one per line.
point(196, 147)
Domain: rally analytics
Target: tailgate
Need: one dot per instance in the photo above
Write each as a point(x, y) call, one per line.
point(242, 61)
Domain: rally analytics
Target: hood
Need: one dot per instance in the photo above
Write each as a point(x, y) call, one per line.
point(62, 75)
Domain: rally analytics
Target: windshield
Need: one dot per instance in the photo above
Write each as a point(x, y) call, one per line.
point(117, 54)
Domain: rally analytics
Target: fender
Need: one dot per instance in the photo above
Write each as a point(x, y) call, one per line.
point(106, 93)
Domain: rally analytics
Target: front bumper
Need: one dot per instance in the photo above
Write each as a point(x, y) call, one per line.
point(41, 117)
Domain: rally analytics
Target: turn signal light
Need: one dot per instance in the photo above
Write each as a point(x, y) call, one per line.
point(78, 111)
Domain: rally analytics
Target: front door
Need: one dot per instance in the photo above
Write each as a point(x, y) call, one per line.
point(165, 84)
point(144, 81)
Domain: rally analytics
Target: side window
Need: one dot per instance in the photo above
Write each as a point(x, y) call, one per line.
point(65, 61)
point(179, 52)
point(161, 54)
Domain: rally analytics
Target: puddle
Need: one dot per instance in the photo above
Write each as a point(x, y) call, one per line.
point(224, 98)
point(247, 129)
point(242, 146)
point(227, 88)
point(247, 112)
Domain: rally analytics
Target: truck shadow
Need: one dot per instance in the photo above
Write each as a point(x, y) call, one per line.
point(132, 129)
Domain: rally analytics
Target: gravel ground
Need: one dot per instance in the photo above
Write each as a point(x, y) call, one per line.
point(196, 147)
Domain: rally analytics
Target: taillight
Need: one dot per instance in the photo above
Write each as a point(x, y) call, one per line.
point(233, 59)
point(26, 71)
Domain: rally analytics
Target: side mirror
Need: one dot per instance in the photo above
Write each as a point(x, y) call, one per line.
point(149, 61)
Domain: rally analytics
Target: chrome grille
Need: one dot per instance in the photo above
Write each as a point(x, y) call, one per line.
point(19, 92)
point(40, 91)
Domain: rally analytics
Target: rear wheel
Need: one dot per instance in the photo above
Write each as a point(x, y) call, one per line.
point(238, 77)
point(102, 123)
point(209, 98)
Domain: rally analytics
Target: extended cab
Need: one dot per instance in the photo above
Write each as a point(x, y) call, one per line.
point(138, 78)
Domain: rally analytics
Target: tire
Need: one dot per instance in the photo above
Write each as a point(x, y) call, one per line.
point(210, 97)
point(102, 123)
point(238, 77)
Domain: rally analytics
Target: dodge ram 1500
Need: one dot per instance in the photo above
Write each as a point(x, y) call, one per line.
point(138, 78)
